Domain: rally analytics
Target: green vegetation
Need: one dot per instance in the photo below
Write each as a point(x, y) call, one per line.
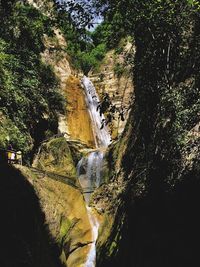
point(57, 157)
point(160, 163)
point(118, 69)
point(80, 46)
point(87, 49)
point(166, 72)
point(29, 99)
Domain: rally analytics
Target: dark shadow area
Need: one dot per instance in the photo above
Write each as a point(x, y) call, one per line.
point(161, 229)
point(39, 135)
point(25, 239)
point(3, 156)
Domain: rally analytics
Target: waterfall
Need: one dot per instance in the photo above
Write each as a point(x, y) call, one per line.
point(101, 136)
point(89, 168)
point(89, 172)
point(91, 177)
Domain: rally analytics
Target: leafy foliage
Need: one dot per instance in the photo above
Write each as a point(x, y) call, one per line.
point(161, 152)
point(166, 71)
point(84, 54)
point(86, 49)
point(28, 87)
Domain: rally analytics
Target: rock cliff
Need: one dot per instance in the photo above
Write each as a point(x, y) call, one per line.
point(58, 231)
point(153, 191)
point(77, 115)
point(115, 79)
point(63, 205)
point(75, 124)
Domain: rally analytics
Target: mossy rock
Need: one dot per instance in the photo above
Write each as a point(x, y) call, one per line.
point(55, 156)
point(65, 216)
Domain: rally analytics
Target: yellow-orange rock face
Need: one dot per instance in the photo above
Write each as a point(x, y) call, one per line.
point(78, 119)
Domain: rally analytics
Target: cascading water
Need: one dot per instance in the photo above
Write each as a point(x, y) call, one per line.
point(89, 172)
point(101, 136)
point(89, 168)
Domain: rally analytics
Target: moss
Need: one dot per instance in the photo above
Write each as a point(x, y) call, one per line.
point(55, 156)
point(106, 174)
point(65, 225)
point(105, 230)
point(112, 248)
point(78, 150)
point(115, 243)
point(63, 258)
point(65, 215)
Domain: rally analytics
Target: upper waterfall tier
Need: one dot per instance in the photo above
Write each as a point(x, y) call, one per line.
point(102, 136)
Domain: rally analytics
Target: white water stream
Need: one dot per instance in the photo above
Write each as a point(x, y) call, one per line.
point(89, 168)
point(101, 136)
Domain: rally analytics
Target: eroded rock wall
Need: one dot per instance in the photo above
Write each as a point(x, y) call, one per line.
point(76, 123)
point(115, 79)
point(155, 214)
point(78, 118)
